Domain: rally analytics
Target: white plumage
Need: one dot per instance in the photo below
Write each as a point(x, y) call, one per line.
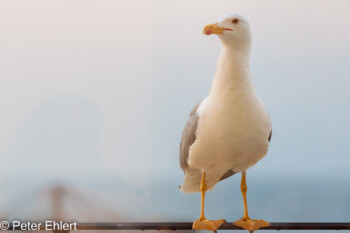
point(233, 127)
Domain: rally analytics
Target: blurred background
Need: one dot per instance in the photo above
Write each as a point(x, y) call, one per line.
point(94, 96)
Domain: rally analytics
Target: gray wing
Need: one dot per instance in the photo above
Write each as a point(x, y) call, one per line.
point(188, 136)
point(228, 174)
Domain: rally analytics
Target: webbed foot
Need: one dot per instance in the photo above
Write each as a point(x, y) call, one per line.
point(251, 225)
point(205, 224)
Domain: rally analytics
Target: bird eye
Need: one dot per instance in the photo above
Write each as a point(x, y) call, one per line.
point(235, 21)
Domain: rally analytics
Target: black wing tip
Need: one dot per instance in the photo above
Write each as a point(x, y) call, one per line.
point(270, 136)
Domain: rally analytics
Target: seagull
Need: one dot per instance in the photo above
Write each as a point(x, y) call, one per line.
point(230, 130)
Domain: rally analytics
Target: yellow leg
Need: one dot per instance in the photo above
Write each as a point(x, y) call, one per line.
point(244, 189)
point(246, 222)
point(203, 188)
point(202, 223)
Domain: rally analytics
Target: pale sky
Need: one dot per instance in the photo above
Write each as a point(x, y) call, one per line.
point(106, 86)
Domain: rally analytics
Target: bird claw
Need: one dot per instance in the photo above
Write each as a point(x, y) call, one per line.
point(251, 225)
point(210, 225)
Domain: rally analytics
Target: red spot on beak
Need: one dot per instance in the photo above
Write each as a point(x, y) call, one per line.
point(208, 32)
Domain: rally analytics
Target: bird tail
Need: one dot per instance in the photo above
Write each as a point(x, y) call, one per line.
point(193, 179)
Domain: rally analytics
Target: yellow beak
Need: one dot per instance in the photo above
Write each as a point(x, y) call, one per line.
point(214, 29)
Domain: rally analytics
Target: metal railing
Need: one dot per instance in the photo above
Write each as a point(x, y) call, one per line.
point(188, 226)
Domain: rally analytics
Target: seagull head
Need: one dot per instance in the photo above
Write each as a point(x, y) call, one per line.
point(233, 30)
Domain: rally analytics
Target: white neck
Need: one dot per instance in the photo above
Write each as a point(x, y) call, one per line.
point(232, 72)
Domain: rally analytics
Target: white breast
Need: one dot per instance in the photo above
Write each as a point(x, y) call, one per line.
point(232, 132)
